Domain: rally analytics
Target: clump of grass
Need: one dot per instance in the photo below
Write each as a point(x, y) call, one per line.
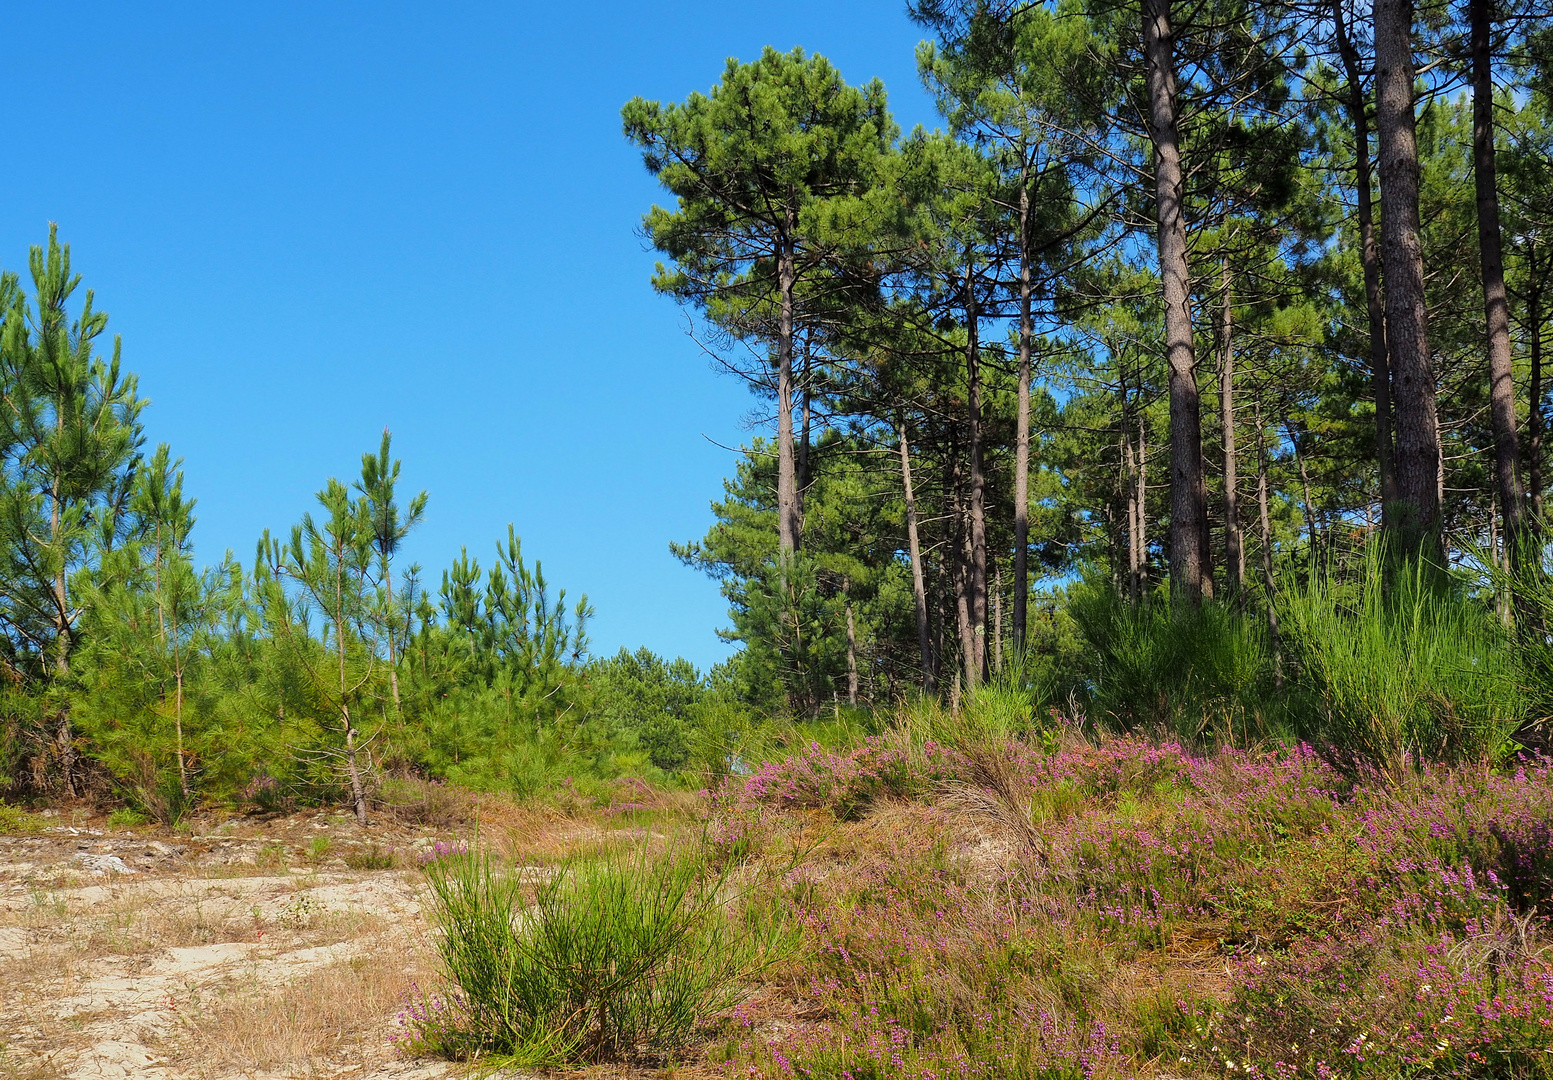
point(372, 857)
point(1402, 671)
point(1204, 675)
point(14, 820)
point(617, 958)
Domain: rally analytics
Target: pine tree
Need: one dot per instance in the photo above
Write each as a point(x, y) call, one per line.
point(70, 438)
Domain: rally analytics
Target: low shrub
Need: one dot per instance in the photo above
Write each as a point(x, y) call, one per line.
point(614, 959)
point(13, 819)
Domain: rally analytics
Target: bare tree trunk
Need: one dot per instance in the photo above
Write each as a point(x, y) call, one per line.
point(1234, 548)
point(1141, 538)
point(918, 586)
point(1022, 426)
point(1496, 302)
point(1188, 492)
point(851, 649)
point(358, 794)
point(789, 520)
point(1130, 494)
point(803, 437)
point(393, 659)
point(1534, 415)
point(1266, 528)
point(1380, 363)
point(1126, 494)
point(961, 547)
point(997, 620)
point(64, 735)
point(1407, 319)
point(976, 591)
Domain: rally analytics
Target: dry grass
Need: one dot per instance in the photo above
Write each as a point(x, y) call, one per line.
point(346, 1006)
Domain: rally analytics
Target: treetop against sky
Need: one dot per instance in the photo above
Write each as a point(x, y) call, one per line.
point(309, 224)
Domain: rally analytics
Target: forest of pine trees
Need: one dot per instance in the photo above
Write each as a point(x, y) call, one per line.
point(1216, 310)
point(1189, 376)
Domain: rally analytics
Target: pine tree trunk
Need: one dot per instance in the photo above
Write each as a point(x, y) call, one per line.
point(918, 586)
point(64, 735)
point(1534, 414)
point(1264, 520)
point(1022, 426)
point(851, 651)
point(976, 591)
point(1130, 494)
point(997, 621)
point(1496, 302)
point(1141, 537)
point(803, 436)
point(358, 792)
point(1417, 522)
point(1188, 492)
point(1369, 254)
point(1234, 549)
point(789, 526)
point(393, 660)
point(961, 547)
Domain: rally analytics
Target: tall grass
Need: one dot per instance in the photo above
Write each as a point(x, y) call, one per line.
point(1401, 667)
point(1203, 673)
point(614, 959)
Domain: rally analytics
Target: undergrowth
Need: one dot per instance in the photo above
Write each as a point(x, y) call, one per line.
point(613, 958)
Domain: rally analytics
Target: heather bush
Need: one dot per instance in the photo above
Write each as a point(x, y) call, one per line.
point(1137, 908)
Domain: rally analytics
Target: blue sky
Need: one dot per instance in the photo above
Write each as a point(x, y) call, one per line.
point(312, 221)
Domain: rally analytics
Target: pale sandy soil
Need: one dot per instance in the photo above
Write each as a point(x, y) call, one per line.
point(254, 950)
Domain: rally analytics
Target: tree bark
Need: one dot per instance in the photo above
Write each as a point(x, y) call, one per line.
point(964, 619)
point(1234, 548)
point(789, 522)
point(976, 591)
point(1141, 536)
point(851, 649)
point(918, 586)
point(1496, 302)
point(1022, 428)
point(1188, 492)
point(1264, 520)
point(997, 620)
point(1369, 255)
point(1534, 415)
point(1417, 522)
point(803, 449)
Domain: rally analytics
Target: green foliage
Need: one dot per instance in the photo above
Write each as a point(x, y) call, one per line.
point(14, 821)
point(69, 436)
point(1404, 668)
point(613, 958)
point(1197, 673)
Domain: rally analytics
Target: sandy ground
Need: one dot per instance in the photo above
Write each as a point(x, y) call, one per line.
point(257, 949)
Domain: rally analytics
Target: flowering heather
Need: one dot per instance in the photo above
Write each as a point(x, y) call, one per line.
point(1155, 912)
point(843, 783)
point(441, 850)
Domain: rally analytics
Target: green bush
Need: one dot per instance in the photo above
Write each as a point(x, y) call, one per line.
point(13, 819)
point(1196, 673)
point(614, 959)
point(1402, 667)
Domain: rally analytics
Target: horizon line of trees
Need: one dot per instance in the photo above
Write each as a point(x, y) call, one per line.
point(319, 671)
